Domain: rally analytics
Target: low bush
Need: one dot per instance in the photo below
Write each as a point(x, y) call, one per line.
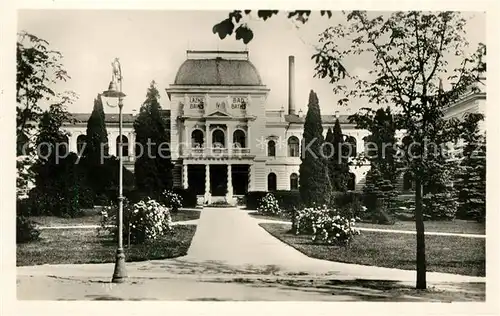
point(56, 202)
point(26, 230)
point(220, 204)
point(269, 205)
point(142, 221)
point(349, 204)
point(253, 198)
point(189, 196)
point(172, 200)
point(287, 200)
point(325, 225)
point(440, 206)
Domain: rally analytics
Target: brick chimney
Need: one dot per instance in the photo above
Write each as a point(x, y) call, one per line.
point(291, 85)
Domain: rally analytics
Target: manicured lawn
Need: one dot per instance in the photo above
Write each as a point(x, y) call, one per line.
point(185, 215)
point(447, 254)
point(456, 226)
point(94, 219)
point(73, 246)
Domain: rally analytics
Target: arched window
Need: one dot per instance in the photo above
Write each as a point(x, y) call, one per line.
point(293, 147)
point(80, 143)
point(197, 138)
point(351, 146)
point(294, 181)
point(218, 138)
point(271, 148)
point(124, 146)
point(239, 139)
point(351, 182)
point(271, 182)
point(408, 184)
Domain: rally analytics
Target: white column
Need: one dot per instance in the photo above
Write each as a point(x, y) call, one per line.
point(207, 184)
point(250, 175)
point(185, 183)
point(131, 145)
point(112, 144)
point(229, 194)
point(229, 139)
point(208, 140)
point(72, 140)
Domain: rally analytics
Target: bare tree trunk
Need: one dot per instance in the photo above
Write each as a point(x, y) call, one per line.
point(419, 223)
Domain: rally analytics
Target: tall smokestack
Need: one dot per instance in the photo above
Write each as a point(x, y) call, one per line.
point(291, 85)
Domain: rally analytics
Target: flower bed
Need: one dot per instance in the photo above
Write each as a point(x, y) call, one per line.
point(325, 225)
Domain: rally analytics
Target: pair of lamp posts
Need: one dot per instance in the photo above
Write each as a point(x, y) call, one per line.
point(114, 92)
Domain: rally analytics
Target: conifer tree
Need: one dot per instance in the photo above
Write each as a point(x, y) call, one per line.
point(338, 163)
point(471, 178)
point(315, 187)
point(96, 151)
point(153, 172)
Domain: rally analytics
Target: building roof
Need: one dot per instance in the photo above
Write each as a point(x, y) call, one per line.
point(325, 119)
point(218, 70)
point(112, 118)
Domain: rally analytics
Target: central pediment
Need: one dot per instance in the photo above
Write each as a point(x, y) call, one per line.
point(218, 113)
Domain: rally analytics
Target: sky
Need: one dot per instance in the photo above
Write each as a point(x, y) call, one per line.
point(151, 45)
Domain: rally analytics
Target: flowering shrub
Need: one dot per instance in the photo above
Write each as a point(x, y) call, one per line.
point(325, 225)
point(148, 220)
point(172, 200)
point(145, 220)
point(269, 205)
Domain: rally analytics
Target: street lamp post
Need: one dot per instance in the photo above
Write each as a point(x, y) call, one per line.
point(120, 272)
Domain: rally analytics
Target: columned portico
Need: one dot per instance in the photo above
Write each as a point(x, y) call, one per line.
point(229, 194)
point(216, 180)
point(185, 183)
point(208, 194)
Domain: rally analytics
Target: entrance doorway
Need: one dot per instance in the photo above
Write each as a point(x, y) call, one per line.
point(240, 179)
point(196, 178)
point(218, 180)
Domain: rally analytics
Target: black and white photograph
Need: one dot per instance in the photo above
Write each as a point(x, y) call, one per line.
point(250, 155)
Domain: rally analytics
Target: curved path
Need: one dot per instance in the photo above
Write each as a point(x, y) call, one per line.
point(232, 257)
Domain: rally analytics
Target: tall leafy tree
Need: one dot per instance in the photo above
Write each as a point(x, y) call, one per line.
point(410, 52)
point(38, 69)
point(315, 187)
point(153, 169)
point(471, 178)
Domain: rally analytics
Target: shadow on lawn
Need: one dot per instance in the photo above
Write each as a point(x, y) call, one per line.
point(382, 290)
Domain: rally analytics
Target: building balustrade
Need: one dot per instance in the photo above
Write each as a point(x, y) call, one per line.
point(215, 152)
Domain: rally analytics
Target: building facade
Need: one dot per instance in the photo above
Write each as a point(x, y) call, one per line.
point(225, 138)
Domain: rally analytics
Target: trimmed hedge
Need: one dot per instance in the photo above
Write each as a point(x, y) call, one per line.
point(288, 200)
point(252, 199)
point(189, 197)
point(349, 204)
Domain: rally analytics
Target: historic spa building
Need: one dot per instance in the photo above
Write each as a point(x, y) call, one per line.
point(226, 139)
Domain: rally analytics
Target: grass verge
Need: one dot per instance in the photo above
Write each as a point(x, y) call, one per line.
point(94, 219)
point(447, 254)
point(76, 246)
point(455, 226)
